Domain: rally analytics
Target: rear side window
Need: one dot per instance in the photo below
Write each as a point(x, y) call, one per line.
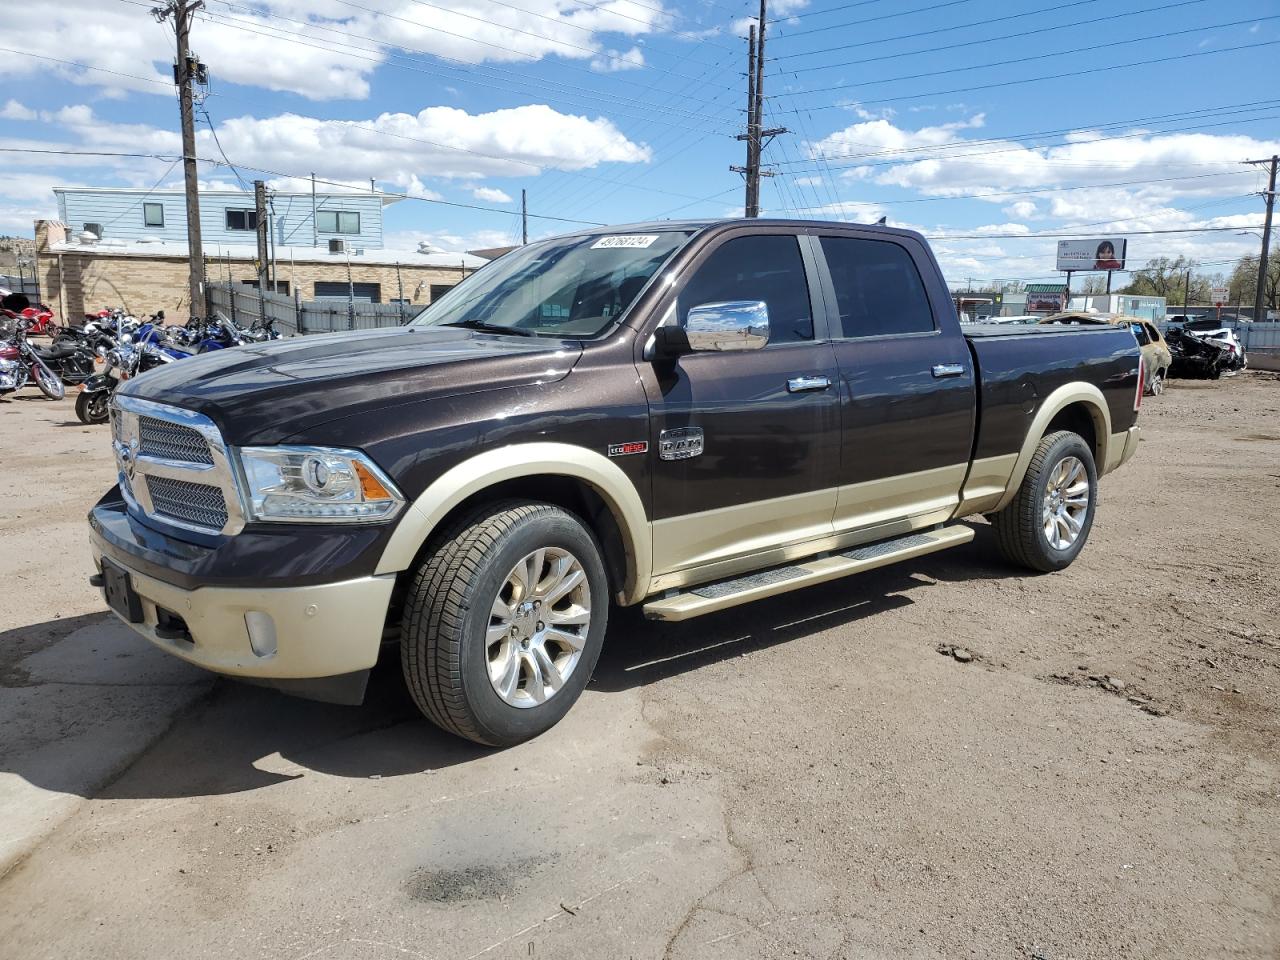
point(1152, 332)
point(767, 268)
point(1140, 332)
point(878, 288)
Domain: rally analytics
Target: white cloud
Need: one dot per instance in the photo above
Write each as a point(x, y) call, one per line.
point(13, 110)
point(320, 50)
point(490, 195)
point(1022, 209)
point(613, 61)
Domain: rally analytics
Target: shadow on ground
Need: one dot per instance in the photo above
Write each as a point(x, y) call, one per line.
point(241, 737)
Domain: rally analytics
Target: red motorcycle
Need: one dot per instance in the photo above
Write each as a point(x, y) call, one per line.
point(17, 306)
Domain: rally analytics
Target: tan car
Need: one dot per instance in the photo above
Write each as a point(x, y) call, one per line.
point(1156, 355)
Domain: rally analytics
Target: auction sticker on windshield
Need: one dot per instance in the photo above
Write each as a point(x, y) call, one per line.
point(626, 240)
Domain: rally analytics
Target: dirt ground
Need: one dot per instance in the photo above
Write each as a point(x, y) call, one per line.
point(1095, 775)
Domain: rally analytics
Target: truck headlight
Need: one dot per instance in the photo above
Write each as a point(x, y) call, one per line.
point(316, 484)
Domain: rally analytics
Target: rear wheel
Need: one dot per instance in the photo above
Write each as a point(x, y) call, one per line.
point(504, 621)
point(1156, 386)
point(1046, 524)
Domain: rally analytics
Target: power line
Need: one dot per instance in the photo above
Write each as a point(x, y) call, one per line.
point(1051, 76)
point(983, 41)
point(383, 55)
point(289, 176)
point(1043, 56)
point(1022, 147)
point(1041, 190)
point(1054, 8)
point(1077, 236)
point(886, 16)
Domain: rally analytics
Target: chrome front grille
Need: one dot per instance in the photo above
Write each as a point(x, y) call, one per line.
point(174, 466)
point(199, 504)
point(172, 441)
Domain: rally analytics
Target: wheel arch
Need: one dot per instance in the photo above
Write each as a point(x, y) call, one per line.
point(1079, 407)
point(569, 476)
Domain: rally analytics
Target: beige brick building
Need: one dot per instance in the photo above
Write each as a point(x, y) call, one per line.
point(83, 277)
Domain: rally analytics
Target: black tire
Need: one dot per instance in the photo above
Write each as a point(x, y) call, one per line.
point(1020, 526)
point(447, 612)
point(93, 406)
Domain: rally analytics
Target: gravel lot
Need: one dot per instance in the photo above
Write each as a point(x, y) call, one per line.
point(1095, 775)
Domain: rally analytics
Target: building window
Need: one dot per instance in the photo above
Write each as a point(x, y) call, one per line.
point(338, 221)
point(153, 214)
point(438, 290)
point(282, 286)
point(242, 219)
point(340, 290)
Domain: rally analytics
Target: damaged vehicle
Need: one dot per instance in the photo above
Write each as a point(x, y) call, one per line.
point(1196, 358)
point(1156, 354)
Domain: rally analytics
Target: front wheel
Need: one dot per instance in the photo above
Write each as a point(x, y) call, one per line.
point(93, 406)
point(1046, 524)
point(49, 383)
point(504, 621)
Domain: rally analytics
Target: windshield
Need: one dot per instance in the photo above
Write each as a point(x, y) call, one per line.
point(571, 287)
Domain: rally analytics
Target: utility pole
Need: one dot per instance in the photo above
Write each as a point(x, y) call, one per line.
point(260, 205)
point(756, 137)
point(1259, 297)
point(185, 72)
point(1186, 293)
point(524, 217)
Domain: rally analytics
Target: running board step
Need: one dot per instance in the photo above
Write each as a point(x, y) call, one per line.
point(710, 597)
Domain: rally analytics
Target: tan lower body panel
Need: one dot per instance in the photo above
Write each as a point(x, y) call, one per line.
point(988, 480)
point(719, 543)
point(808, 573)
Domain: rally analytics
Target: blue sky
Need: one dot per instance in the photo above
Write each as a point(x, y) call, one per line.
point(1106, 117)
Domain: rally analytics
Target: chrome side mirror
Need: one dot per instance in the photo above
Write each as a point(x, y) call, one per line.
point(731, 325)
point(714, 328)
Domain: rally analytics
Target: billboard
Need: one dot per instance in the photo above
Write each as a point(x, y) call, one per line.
point(1102, 253)
point(1051, 302)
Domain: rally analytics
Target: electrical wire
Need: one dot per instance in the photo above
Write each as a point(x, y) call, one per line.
point(1002, 64)
point(985, 41)
point(1052, 76)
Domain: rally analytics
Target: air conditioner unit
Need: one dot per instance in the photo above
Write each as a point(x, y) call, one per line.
point(337, 246)
point(95, 229)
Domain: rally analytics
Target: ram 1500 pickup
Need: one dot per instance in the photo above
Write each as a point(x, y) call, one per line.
point(683, 416)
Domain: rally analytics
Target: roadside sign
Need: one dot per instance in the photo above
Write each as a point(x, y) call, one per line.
point(1220, 295)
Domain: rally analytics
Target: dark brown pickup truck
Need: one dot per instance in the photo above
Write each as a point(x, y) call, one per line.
point(680, 415)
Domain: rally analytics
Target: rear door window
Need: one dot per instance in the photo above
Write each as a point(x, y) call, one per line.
point(878, 288)
point(769, 268)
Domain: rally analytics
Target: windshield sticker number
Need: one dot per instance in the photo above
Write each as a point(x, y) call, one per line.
point(635, 240)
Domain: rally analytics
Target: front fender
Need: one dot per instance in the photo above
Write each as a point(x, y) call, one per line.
point(101, 381)
point(529, 460)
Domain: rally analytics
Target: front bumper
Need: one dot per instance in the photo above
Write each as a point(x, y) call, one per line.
point(277, 633)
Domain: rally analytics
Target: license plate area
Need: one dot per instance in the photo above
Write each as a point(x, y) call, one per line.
point(121, 597)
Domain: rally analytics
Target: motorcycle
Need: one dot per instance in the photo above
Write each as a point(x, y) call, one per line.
point(71, 362)
point(18, 306)
point(129, 359)
point(20, 364)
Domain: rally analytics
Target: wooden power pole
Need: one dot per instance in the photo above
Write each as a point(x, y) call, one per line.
point(264, 261)
point(755, 137)
point(186, 71)
point(1260, 296)
point(524, 217)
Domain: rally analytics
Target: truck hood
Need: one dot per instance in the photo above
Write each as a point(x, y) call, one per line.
point(262, 393)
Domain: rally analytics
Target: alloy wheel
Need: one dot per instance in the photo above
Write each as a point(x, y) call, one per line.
point(538, 626)
point(1066, 503)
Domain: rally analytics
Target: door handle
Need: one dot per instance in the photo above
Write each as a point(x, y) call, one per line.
point(807, 384)
point(941, 370)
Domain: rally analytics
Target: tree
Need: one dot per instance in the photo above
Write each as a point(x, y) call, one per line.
point(1093, 284)
point(1244, 282)
point(1167, 278)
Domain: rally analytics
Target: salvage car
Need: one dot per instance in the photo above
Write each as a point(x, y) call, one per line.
point(1156, 354)
point(679, 416)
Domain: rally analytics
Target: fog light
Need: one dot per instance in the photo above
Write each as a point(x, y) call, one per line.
point(262, 633)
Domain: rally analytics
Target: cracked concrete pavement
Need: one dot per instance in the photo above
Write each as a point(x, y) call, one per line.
point(807, 776)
